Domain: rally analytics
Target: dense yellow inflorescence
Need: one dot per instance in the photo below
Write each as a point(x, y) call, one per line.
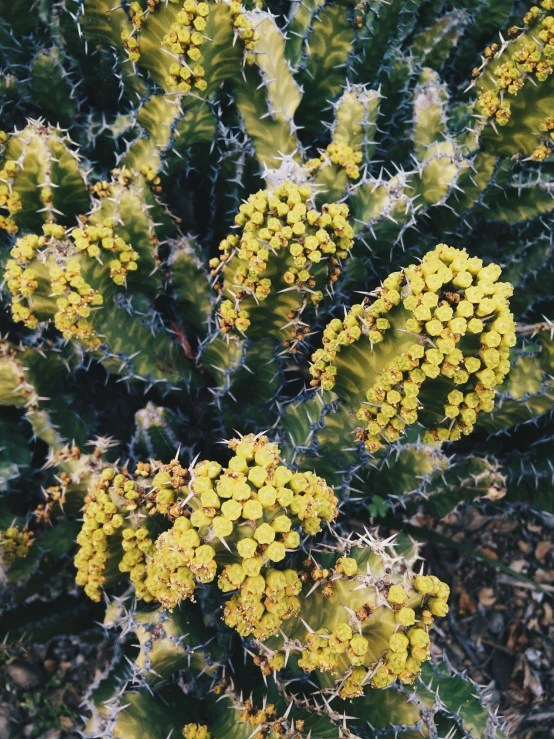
point(276, 222)
point(75, 296)
point(15, 543)
point(196, 731)
point(245, 29)
point(346, 649)
point(10, 200)
point(531, 62)
point(185, 40)
point(251, 513)
point(341, 154)
point(104, 522)
point(59, 252)
point(449, 297)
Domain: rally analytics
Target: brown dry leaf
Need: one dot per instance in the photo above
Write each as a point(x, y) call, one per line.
point(487, 597)
point(524, 546)
point(544, 576)
point(518, 565)
point(488, 552)
point(547, 618)
point(542, 549)
point(532, 681)
point(465, 604)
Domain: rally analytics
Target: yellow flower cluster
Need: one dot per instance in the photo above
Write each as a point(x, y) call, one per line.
point(444, 302)
point(245, 29)
point(397, 606)
point(151, 176)
point(185, 39)
point(15, 543)
point(532, 59)
point(409, 645)
point(545, 149)
point(88, 240)
point(250, 512)
point(76, 296)
point(196, 731)
point(10, 199)
point(253, 506)
point(103, 521)
point(343, 155)
point(280, 222)
point(74, 304)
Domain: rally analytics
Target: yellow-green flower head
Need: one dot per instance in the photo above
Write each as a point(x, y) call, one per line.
point(282, 235)
point(450, 319)
point(253, 508)
point(364, 620)
point(230, 525)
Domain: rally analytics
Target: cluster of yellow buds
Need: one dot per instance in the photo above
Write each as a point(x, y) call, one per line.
point(458, 315)
point(280, 223)
point(545, 149)
point(343, 155)
point(21, 282)
point(151, 176)
point(185, 39)
point(76, 296)
point(251, 512)
point(103, 520)
point(258, 717)
point(252, 505)
point(102, 189)
point(245, 29)
point(196, 731)
point(15, 543)
point(230, 318)
point(138, 17)
point(489, 104)
point(408, 648)
point(74, 304)
point(373, 618)
point(10, 199)
point(88, 239)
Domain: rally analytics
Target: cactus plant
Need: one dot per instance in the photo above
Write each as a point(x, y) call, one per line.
point(273, 273)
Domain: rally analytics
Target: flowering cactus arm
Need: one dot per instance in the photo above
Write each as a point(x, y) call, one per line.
point(352, 145)
point(211, 540)
point(446, 411)
point(210, 62)
point(40, 179)
point(281, 263)
point(514, 86)
point(362, 620)
point(268, 118)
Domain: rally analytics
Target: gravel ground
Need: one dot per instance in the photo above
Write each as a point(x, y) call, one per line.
point(499, 630)
point(41, 687)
